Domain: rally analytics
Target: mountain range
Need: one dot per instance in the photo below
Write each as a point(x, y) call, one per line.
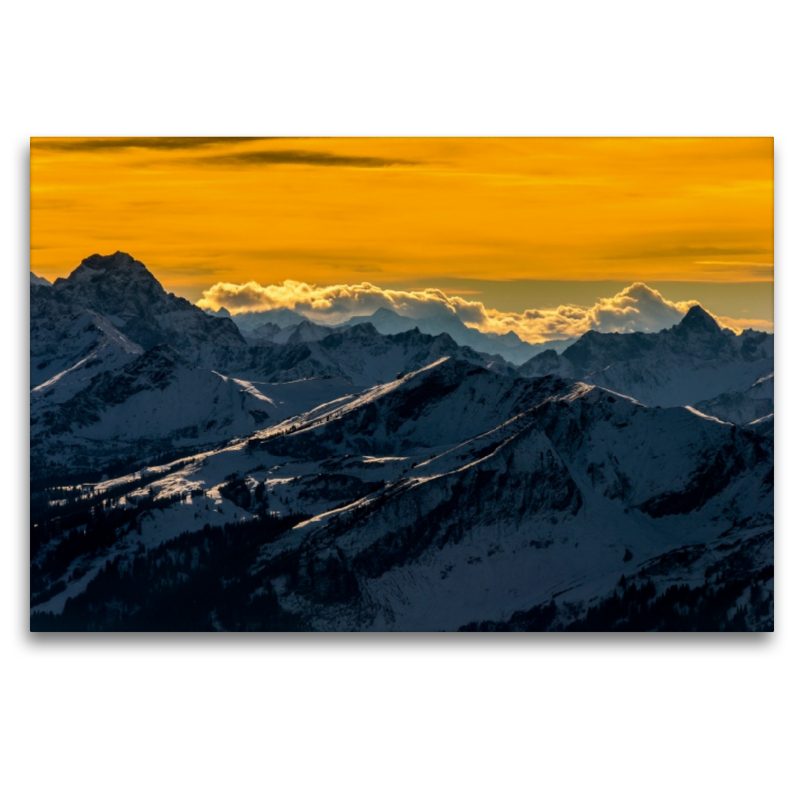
point(694, 362)
point(188, 474)
point(279, 324)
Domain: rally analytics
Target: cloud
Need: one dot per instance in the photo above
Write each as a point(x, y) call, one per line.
point(755, 269)
point(682, 251)
point(738, 263)
point(308, 157)
point(636, 308)
point(145, 142)
point(739, 325)
point(332, 304)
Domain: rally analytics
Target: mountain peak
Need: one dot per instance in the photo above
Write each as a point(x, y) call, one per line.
point(123, 290)
point(220, 312)
point(118, 266)
point(364, 329)
point(116, 261)
point(698, 319)
point(385, 313)
point(37, 281)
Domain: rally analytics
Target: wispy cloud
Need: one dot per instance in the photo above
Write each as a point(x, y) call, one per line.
point(737, 263)
point(308, 157)
point(740, 324)
point(686, 251)
point(174, 144)
point(143, 142)
point(755, 269)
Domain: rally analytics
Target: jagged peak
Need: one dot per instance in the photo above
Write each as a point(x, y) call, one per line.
point(415, 335)
point(698, 319)
point(118, 265)
point(386, 313)
point(364, 329)
point(548, 356)
point(37, 281)
point(220, 312)
point(115, 261)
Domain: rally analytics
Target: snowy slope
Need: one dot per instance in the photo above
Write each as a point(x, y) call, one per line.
point(556, 506)
point(91, 403)
point(693, 361)
point(66, 337)
point(156, 402)
point(359, 354)
point(764, 426)
point(454, 495)
point(346, 479)
point(755, 402)
point(123, 290)
point(441, 404)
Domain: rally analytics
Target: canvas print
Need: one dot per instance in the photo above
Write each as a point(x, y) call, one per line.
point(401, 384)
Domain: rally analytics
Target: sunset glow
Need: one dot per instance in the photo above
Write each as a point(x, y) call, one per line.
point(407, 212)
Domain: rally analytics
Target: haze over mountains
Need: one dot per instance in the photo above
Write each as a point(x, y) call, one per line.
point(386, 321)
point(196, 471)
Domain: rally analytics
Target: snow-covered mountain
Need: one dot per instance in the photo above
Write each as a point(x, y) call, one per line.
point(507, 345)
point(452, 496)
point(691, 362)
point(267, 324)
point(765, 426)
point(84, 369)
point(66, 337)
point(155, 403)
point(754, 403)
point(247, 321)
point(35, 279)
point(125, 292)
point(359, 354)
point(301, 477)
point(296, 333)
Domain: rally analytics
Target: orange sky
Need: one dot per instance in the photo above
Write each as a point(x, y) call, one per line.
point(407, 211)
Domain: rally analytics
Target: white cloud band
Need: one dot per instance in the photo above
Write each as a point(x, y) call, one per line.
point(636, 308)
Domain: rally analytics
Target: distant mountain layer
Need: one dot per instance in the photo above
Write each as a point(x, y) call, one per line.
point(295, 333)
point(246, 321)
point(507, 345)
point(266, 324)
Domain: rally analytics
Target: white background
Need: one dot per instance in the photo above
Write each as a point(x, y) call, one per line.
point(396, 716)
